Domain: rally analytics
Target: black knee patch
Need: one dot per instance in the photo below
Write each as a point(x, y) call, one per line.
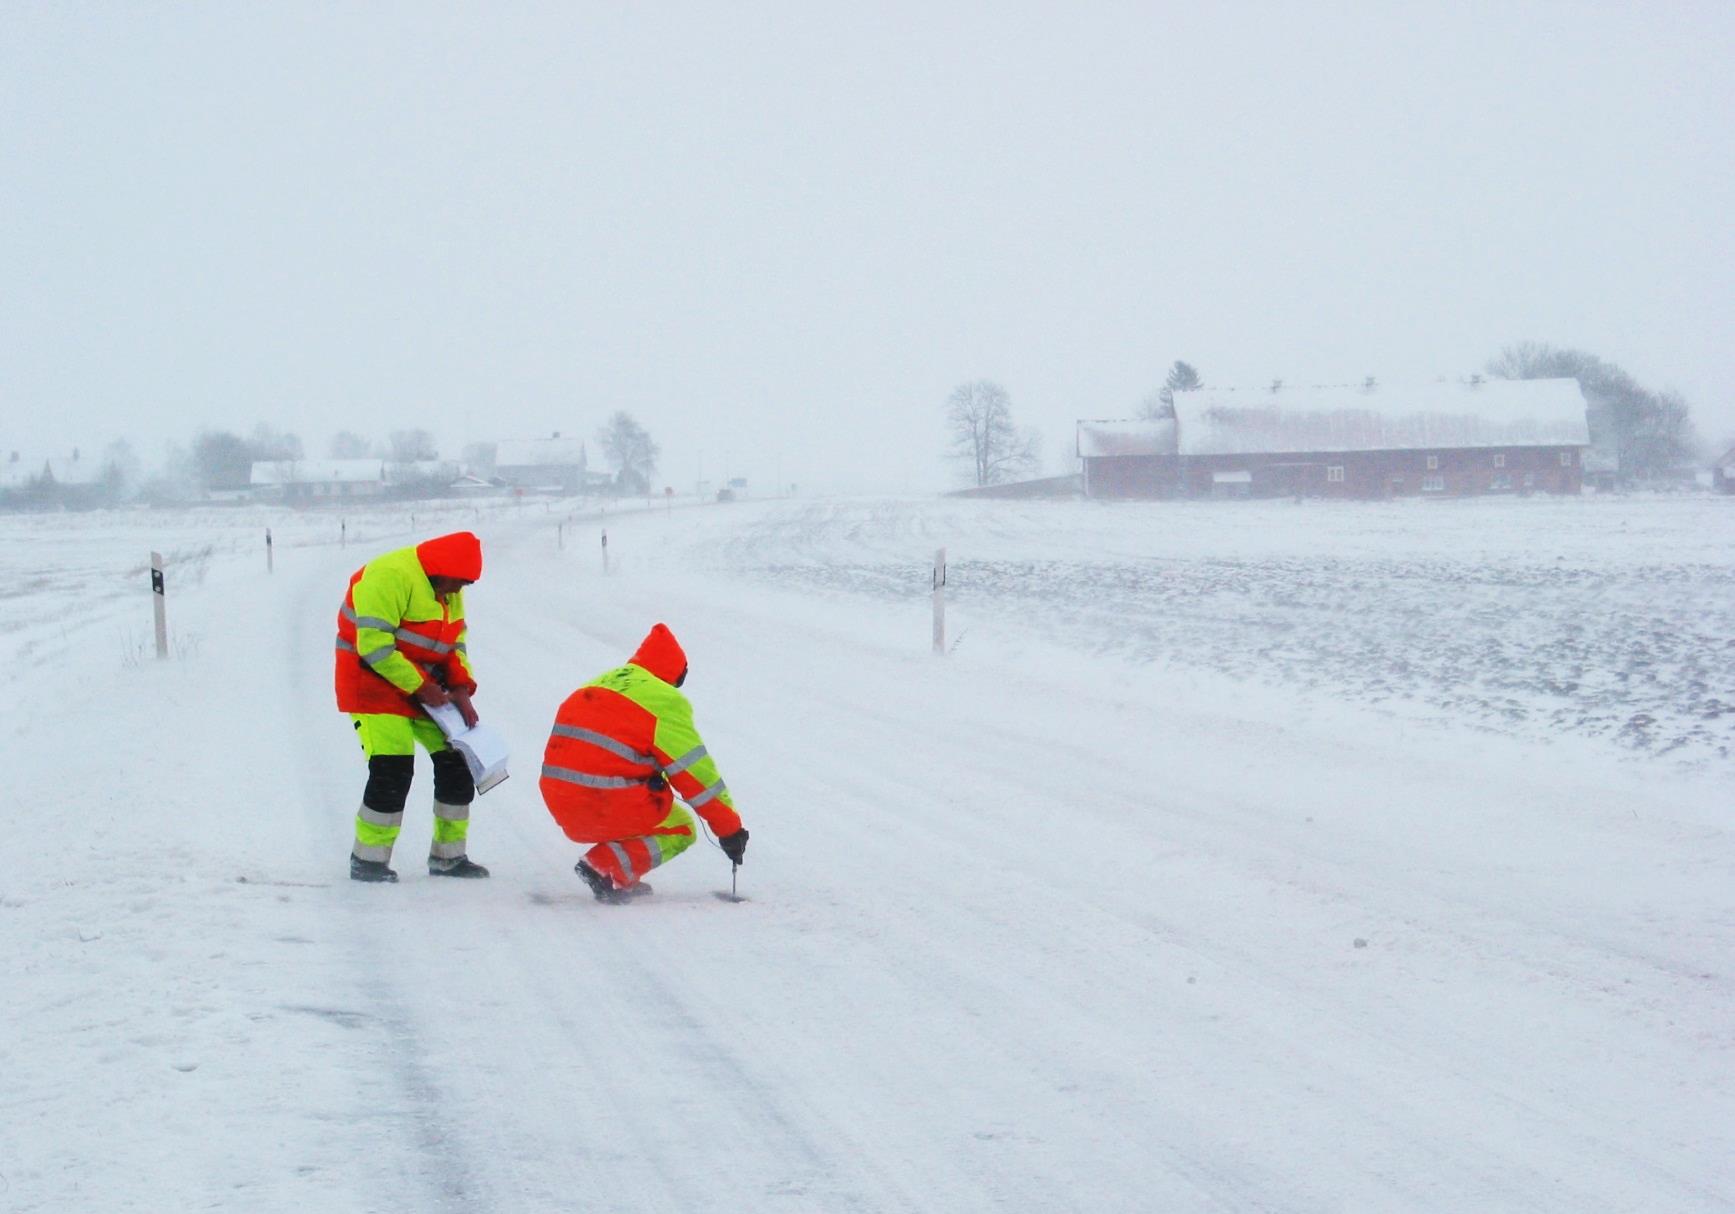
point(388, 782)
point(452, 782)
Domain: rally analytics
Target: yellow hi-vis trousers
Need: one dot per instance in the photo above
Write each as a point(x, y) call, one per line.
point(389, 736)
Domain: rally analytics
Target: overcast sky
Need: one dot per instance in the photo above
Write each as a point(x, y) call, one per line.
point(779, 235)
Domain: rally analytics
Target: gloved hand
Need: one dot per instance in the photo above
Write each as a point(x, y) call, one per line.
point(465, 708)
point(735, 846)
point(432, 694)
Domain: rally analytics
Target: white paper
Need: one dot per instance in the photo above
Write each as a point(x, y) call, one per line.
point(483, 750)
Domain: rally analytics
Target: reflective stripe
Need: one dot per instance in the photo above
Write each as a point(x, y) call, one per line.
point(379, 655)
point(366, 621)
point(589, 781)
point(374, 817)
point(379, 855)
point(462, 647)
point(685, 761)
point(604, 742)
point(447, 851)
point(344, 646)
point(708, 795)
point(452, 813)
point(422, 642)
point(626, 863)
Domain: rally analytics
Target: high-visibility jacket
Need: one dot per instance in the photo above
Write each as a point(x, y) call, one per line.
point(394, 633)
point(622, 742)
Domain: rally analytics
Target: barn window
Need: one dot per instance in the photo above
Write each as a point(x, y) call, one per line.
point(1566, 459)
point(1433, 462)
point(1503, 481)
point(1433, 484)
point(1500, 460)
point(1334, 473)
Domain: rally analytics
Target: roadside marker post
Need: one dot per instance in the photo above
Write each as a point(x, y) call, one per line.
point(270, 566)
point(157, 597)
point(940, 603)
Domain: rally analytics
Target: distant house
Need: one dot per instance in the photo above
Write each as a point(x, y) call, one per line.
point(1438, 440)
point(546, 465)
point(52, 481)
point(422, 477)
point(475, 486)
point(318, 480)
point(1723, 473)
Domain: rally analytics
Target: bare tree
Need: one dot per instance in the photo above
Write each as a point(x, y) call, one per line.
point(979, 420)
point(347, 444)
point(1648, 433)
point(632, 451)
point(222, 460)
point(408, 446)
point(270, 444)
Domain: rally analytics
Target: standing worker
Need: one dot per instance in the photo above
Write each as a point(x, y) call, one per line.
point(402, 643)
point(620, 744)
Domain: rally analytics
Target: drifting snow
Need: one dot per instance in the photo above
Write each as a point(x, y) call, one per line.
point(1244, 858)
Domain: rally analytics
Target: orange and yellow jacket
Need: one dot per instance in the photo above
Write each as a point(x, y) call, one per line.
point(622, 742)
point(394, 633)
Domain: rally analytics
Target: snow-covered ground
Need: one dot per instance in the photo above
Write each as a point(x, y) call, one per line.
point(1237, 857)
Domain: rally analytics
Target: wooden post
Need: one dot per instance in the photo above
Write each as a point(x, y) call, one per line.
point(605, 552)
point(940, 603)
point(560, 535)
point(270, 567)
point(343, 533)
point(157, 599)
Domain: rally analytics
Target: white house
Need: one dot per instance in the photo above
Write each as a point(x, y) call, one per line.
point(303, 480)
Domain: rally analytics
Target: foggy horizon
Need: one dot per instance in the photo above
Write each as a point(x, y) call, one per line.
point(780, 240)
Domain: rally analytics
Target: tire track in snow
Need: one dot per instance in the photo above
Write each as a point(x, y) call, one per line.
point(638, 1028)
point(439, 1165)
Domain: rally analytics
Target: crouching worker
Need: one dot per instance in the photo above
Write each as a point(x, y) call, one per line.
point(402, 643)
point(623, 745)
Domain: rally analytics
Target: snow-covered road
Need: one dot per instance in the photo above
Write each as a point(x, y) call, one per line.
point(1040, 926)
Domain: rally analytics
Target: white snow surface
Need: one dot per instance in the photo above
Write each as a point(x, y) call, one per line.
point(1237, 857)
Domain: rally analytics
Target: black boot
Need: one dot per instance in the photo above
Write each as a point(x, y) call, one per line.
point(460, 866)
point(370, 870)
point(600, 885)
point(604, 887)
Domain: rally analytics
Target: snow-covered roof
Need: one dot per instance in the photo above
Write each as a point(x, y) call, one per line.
point(1490, 413)
point(1099, 439)
point(539, 453)
point(317, 471)
point(422, 470)
point(21, 473)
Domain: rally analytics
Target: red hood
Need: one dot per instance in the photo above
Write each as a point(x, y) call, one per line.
point(458, 555)
point(661, 654)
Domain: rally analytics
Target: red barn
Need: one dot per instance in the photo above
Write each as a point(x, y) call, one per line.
point(1498, 436)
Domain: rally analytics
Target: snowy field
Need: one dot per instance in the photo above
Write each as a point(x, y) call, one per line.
point(1241, 857)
